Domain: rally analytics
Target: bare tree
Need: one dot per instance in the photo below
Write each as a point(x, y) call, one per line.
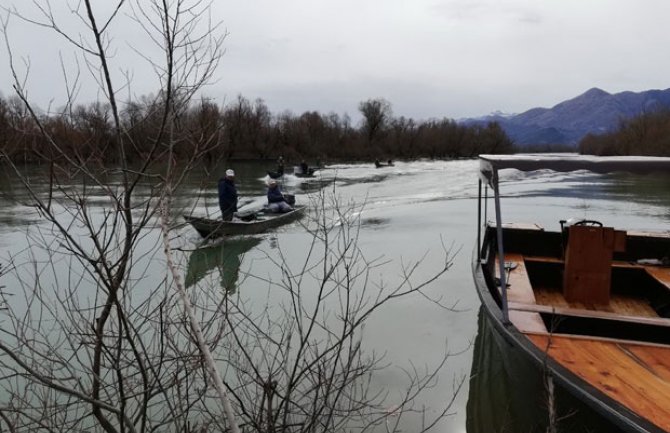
point(104, 351)
point(94, 338)
point(377, 115)
point(302, 366)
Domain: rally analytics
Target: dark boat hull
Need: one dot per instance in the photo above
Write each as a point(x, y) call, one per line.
point(208, 228)
point(304, 175)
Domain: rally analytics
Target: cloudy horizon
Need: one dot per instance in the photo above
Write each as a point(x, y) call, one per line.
point(429, 59)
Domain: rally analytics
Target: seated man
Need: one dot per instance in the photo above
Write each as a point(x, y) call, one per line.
point(276, 200)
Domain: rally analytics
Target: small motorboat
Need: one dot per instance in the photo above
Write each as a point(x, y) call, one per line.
point(383, 164)
point(246, 224)
point(300, 172)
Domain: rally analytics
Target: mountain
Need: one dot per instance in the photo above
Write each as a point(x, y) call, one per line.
point(595, 111)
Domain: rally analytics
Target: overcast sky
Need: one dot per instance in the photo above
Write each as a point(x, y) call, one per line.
point(429, 58)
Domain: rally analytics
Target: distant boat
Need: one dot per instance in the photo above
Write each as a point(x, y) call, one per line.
point(587, 306)
point(299, 172)
point(383, 164)
point(263, 221)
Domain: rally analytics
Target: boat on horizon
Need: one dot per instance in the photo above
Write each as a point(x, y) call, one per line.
point(581, 314)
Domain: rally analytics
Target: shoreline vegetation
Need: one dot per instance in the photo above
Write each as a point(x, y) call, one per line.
point(647, 134)
point(241, 129)
point(244, 129)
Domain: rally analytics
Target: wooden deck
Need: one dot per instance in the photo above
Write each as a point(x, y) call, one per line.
point(619, 305)
point(635, 374)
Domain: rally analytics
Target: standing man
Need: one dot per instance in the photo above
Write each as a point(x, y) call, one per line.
point(228, 195)
point(280, 165)
point(304, 168)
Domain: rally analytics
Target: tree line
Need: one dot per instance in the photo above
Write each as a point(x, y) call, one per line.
point(647, 134)
point(241, 129)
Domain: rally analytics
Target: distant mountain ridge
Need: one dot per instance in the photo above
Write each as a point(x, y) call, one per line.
point(595, 111)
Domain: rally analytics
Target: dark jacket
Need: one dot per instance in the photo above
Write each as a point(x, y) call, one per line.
point(275, 195)
point(227, 196)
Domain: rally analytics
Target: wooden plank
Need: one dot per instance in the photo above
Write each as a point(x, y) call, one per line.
point(658, 321)
point(663, 234)
point(521, 291)
point(637, 376)
point(619, 304)
point(660, 274)
point(542, 259)
point(526, 321)
point(522, 226)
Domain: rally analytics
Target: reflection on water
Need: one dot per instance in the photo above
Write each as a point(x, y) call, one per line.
point(491, 405)
point(375, 223)
point(412, 208)
point(225, 256)
point(508, 392)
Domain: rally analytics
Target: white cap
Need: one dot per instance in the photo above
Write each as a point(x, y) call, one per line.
point(230, 173)
point(272, 182)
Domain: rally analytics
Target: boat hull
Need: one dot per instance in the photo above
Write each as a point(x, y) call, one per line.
point(508, 391)
point(517, 349)
point(209, 228)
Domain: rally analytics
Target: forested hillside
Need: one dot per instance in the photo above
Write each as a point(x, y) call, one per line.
point(647, 134)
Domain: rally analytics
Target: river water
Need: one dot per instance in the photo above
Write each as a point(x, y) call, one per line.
point(418, 210)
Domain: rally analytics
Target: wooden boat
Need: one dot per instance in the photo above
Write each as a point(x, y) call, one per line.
point(263, 221)
point(588, 306)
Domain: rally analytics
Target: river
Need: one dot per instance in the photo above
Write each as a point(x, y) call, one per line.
point(415, 210)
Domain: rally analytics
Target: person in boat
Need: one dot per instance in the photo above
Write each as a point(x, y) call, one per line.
point(304, 168)
point(390, 163)
point(228, 195)
point(276, 200)
point(280, 166)
point(377, 163)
